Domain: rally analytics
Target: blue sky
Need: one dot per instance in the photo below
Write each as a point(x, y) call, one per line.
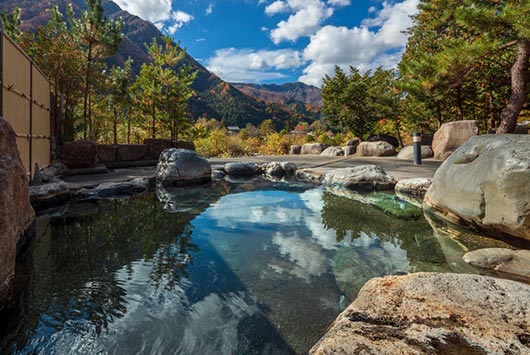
point(277, 41)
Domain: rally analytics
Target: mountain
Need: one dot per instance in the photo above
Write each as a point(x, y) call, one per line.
point(285, 94)
point(214, 97)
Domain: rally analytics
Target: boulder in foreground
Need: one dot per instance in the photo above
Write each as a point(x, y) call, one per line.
point(485, 184)
point(376, 149)
point(181, 167)
point(16, 214)
point(429, 313)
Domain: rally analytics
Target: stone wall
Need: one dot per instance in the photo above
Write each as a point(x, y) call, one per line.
point(86, 154)
point(16, 214)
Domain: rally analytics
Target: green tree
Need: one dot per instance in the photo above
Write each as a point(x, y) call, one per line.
point(118, 97)
point(11, 24)
point(345, 101)
point(163, 87)
point(100, 38)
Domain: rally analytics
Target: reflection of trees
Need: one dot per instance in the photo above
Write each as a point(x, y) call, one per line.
point(75, 285)
point(349, 218)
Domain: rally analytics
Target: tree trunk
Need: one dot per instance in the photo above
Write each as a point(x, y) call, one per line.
point(115, 126)
point(519, 72)
point(153, 110)
point(459, 105)
point(439, 116)
point(87, 77)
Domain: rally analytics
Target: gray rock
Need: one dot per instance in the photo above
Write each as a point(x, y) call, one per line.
point(354, 142)
point(308, 175)
point(432, 313)
point(485, 184)
point(295, 149)
point(180, 167)
point(349, 150)
point(242, 169)
point(313, 148)
point(514, 262)
point(375, 149)
point(50, 194)
point(218, 175)
point(333, 152)
point(114, 189)
point(407, 153)
point(360, 178)
point(53, 172)
point(279, 169)
point(415, 188)
point(452, 135)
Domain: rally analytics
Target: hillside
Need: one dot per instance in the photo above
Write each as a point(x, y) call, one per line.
point(285, 94)
point(214, 97)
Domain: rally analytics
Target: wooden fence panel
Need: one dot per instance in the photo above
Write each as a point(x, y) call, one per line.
point(25, 103)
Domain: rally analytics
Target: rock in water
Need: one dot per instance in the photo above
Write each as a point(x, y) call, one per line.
point(485, 184)
point(514, 262)
point(360, 178)
point(181, 167)
point(16, 214)
point(431, 313)
point(242, 169)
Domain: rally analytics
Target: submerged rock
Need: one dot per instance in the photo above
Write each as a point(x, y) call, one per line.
point(360, 178)
point(181, 167)
point(514, 262)
point(485, 184)
point(433, 313)
point(308, 175)
point(115, 189)
point(390, 204)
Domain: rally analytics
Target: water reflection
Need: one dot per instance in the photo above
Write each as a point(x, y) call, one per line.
point(260, 267)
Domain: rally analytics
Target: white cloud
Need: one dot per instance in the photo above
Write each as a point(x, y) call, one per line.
point(159, 12)
point(276, 8)
point(339, 3)
point(378, 41)
point(209, 9)
point(307, 18)
point(237, 65)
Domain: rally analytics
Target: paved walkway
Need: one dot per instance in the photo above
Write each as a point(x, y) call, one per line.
point(399, 169)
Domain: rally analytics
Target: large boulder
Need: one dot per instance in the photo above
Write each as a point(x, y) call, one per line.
point(362, 178)
point(432, 313)
point(16, 214)
point(407, 153)
point(452, 135)
point(384, 138)
point(313, 148)
point(354, 142)
point(349, 150)
point(508, 261)
point(180, 167)
point(333, 152)
point(79, 154)
point(375, 149)
point(485, 184)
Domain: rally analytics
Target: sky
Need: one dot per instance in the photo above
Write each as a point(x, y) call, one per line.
point(279, 41)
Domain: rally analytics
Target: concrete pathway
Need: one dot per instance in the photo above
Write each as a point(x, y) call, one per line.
point(399, 169)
